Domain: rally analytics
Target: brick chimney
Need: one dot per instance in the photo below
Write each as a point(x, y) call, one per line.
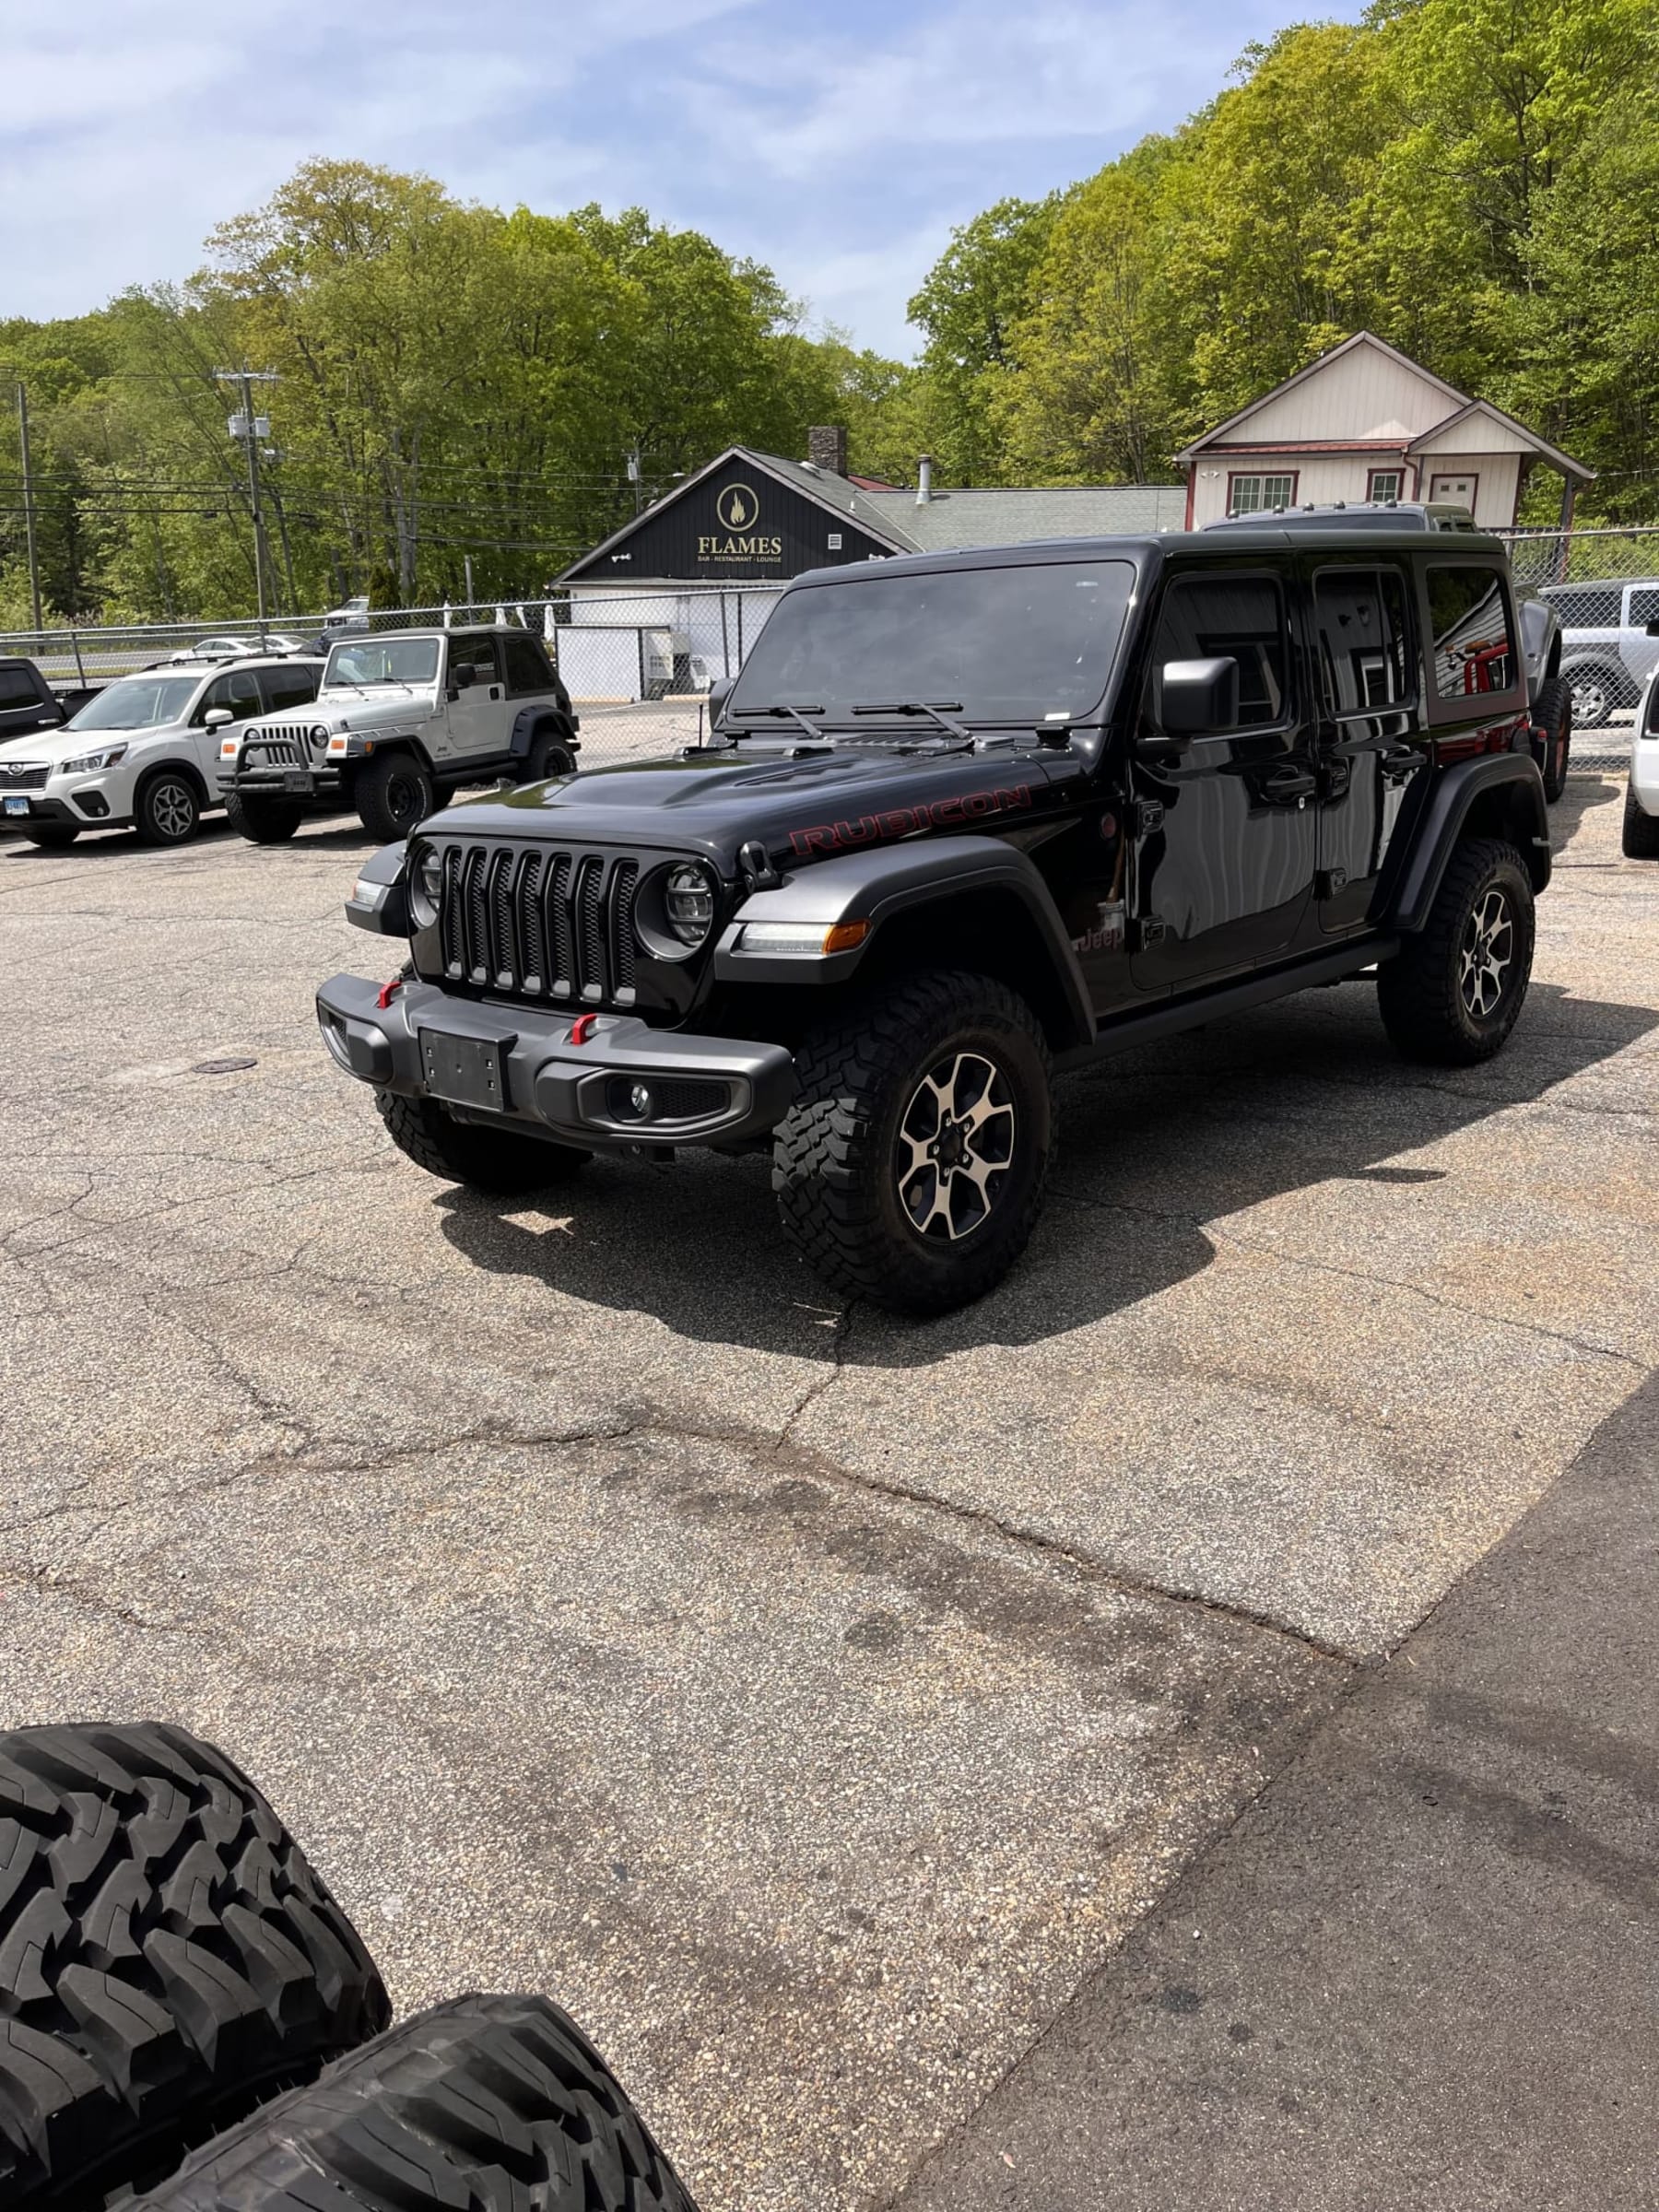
point(826, 449)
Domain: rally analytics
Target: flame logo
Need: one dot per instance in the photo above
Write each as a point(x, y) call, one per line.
point(738, 507)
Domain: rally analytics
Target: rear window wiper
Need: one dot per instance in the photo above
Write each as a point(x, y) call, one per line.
point(941, 710)
point(798, 714)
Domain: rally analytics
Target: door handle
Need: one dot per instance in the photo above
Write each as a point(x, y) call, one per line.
point(1290, 783)
point(1401, 760)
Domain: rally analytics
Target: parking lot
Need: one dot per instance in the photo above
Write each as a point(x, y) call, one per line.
point(806, 1697)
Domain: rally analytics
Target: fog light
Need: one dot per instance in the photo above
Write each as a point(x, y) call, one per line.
point(639, 1097)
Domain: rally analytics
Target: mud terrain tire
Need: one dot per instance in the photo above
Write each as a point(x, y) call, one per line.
point(261, 819)
point(498, 1161)
point(1553, 715)
point(1430, 994)
point(496, 2104)
point(167, 1958)
point(838, 1155)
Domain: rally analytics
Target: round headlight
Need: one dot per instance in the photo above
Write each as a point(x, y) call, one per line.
point(319, 735)
point(425, 885)
point(688, 904)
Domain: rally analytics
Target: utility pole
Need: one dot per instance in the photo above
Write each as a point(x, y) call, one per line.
point(29, 518)
point(246, 427)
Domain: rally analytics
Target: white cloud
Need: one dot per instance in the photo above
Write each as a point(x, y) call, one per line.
point(836, 139)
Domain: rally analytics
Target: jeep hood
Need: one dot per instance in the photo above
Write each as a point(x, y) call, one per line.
point(799, 806)
point(388, 706)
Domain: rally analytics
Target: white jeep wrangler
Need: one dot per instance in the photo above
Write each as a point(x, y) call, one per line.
point(401, 719)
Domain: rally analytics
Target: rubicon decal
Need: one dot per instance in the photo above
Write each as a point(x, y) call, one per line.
point(907, 821)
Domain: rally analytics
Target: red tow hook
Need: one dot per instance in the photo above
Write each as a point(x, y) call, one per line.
point(385, 995)
point(581, 1029)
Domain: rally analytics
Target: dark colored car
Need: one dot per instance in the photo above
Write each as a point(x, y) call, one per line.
point(964, 818)
point(28, 702)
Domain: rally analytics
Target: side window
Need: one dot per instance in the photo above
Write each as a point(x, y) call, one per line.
point(19, 689)
point(238, 689)
point(478, 652)
point(1242, 617)
point(1468, 620)
point(1645, 607)
point(526, 669)
point(1362, 640)
point(287, 687)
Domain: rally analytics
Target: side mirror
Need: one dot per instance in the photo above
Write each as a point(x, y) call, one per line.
point(464, 676)
point(720, 690)
point(217, 718)
point(1197, 699)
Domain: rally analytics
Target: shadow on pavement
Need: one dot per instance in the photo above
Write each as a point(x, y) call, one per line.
point(1153, 1146)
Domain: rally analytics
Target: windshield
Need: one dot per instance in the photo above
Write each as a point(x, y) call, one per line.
point(139, 702)
point(1026, 644)
point(383, 660)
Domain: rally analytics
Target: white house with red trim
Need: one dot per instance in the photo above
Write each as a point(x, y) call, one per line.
point(1365, 422)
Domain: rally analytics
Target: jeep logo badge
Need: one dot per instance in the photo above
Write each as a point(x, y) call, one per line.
point(738, 507)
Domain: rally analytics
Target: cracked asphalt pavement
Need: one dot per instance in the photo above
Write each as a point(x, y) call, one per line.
point(808, 1699)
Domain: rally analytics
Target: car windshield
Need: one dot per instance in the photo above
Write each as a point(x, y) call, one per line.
point(1033, 644)
point(139, 702)
point(383, 660)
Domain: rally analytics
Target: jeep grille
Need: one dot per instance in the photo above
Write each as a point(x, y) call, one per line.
point(539, 922)
point(264, 749)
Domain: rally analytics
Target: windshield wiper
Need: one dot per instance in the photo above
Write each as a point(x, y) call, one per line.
point(799, 714)
point(943, 710)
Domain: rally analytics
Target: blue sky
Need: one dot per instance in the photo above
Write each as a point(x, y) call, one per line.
point(838, 143)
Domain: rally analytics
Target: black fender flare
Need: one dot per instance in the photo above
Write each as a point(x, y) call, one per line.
point(530, 722)
point(878, 885)
point(1454, 797)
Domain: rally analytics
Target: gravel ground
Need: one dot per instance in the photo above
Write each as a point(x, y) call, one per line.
point(808, 1700)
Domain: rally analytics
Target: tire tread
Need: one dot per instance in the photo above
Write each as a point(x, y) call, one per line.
point(490, 2103)
point(166, 1952)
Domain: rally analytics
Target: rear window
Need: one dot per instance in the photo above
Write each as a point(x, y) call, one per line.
point(1469, 621)
point(1580, 606)
point(526, 670)
point(1032, 642)
point(19, 689)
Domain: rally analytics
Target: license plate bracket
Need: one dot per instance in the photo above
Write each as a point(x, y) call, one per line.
point(16, 804)
point(466, 1071)
point(297, 779)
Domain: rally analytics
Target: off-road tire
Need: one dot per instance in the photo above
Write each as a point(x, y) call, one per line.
point(261, 819)
point(1552, 713)
point(168, 809)
point(548, 756)
point(835, 1153)
point(167, 1958)
point(51, 837)
point(1640, 830)
point(392, 794)
point(490, 2104)
point(1420, 991)
point(498, 1161)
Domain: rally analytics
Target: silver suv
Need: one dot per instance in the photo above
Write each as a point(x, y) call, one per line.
point(144, 750)
point(1608, 652)
point(402, 718)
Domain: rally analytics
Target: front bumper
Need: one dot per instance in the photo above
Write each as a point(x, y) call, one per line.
point(85, 807)
point(529, 1074)
point(283, 782)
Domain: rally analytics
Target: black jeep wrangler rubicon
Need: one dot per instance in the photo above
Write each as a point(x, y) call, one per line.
point(965, 818)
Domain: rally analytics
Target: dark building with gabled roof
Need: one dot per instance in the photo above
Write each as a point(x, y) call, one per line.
point(755, 518)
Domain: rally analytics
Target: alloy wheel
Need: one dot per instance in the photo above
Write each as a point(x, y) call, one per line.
point(955, 1145)
point(172, 809)
point(1487, 955)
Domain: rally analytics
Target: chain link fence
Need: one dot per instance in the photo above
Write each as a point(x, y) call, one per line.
point(1604, 585)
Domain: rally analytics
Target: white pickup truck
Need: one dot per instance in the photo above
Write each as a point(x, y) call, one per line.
point(401, 719)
